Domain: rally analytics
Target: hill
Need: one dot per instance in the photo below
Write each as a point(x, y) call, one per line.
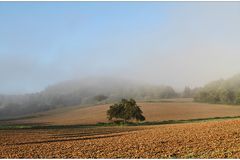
point(89, 91)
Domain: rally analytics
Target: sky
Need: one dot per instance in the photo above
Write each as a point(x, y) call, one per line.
point(161, 43)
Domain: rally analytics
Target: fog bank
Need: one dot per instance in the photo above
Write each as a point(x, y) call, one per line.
point(159, 43)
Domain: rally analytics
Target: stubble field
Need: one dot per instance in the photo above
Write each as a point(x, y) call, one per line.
point(155, 111)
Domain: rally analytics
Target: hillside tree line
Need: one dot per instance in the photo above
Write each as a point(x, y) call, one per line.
point(221, 91)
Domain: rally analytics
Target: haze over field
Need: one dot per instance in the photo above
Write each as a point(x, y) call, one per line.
point(119, 79)
point(160, 43)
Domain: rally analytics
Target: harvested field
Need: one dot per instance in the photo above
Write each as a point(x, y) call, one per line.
point(157, 111)
point(219, 139)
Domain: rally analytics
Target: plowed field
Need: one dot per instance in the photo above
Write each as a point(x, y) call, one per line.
point(216, 139)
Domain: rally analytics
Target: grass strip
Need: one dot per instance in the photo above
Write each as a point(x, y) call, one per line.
point(27, 126)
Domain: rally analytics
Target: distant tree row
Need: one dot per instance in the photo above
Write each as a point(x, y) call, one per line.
point(221, 91)
point(189, 93)
point(79, 93)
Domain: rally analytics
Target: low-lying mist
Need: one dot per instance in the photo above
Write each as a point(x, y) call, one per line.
point(88, 91)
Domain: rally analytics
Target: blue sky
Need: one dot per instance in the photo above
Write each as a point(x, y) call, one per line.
point(171, 43)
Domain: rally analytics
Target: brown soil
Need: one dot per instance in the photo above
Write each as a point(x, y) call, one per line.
point(194, 140)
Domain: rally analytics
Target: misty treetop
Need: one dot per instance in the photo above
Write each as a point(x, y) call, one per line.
point(221, 91)
point(80, 92)
point(101, 91)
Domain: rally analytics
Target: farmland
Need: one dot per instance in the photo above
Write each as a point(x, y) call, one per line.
point(153, 111)
point(119, 80)
point(216, 139)
point(71, 133)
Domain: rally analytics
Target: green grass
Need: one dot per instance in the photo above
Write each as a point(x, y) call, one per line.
point(15, 126)
point(168, 121)
point(188, 121)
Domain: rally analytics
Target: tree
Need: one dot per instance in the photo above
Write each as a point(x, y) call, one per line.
point(126, 110)
point(187, 93)
point(237, 101)
point(228, 96)
point(100, 97)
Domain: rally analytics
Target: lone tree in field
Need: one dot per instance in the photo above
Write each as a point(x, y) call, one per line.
point(126, 110)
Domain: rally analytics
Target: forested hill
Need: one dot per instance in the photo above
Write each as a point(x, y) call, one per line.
point(221, 91)
point(83, 91)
